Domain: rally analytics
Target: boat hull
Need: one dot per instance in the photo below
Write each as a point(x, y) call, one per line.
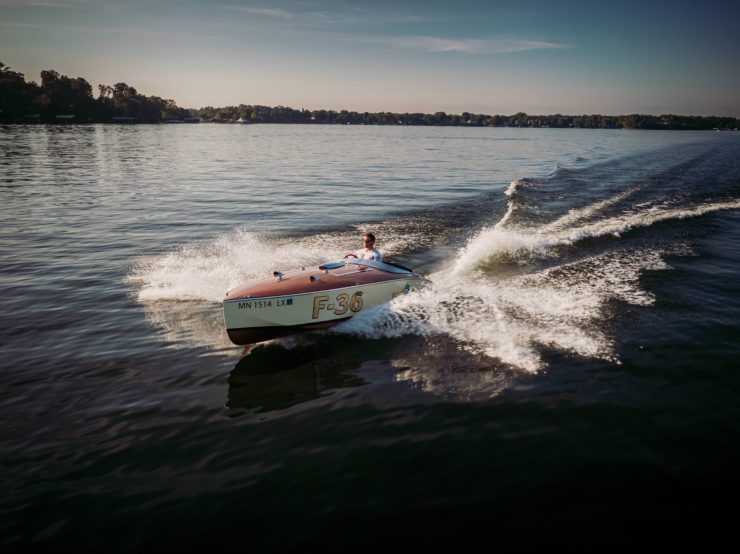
point(255, 319)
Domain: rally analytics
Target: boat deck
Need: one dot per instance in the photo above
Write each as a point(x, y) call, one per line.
point(299, 281)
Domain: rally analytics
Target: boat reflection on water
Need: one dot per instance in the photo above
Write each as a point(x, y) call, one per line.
point(443, 369)
point(278, 375)
point(317, 369)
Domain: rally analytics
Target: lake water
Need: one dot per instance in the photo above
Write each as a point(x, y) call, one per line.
point(570, 374)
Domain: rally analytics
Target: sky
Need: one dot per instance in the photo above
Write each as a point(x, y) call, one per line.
point(493, 57)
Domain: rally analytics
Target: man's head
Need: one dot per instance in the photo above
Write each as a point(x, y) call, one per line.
point(368, 240)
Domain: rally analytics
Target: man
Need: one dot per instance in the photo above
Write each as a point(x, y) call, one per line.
point(368, 252)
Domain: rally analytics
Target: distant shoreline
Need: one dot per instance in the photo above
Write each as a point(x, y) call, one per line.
point(64, 100)
point(517, 121)
point(280, 114)
point(137, 123)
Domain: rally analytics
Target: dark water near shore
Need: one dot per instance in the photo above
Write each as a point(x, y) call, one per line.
point(569, 376)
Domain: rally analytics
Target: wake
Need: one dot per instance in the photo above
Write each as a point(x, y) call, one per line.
point(564, 307)
point(503, 240)
point(512, 319)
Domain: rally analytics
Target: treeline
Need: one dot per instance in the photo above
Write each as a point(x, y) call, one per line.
point(280, 114)
point(61, 98)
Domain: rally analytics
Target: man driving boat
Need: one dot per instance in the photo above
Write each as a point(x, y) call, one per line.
point(369, 252)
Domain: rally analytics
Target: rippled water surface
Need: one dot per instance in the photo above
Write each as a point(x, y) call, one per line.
point(569, 374)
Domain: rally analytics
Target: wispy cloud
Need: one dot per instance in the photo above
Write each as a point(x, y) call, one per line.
point(267, 12)
point(62, 4)
point(472, 46)
point(20, 25)
point(341, 15)
point(44, 6)
point(299, 18)
point(153, 33)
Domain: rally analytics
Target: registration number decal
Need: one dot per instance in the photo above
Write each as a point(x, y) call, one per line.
point(279, 303)
point(341, 305)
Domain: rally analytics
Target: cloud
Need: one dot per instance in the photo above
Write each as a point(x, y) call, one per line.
point(472, 46)
point(267, 12)
point(298, 18)
point(64, 4)
point(21, 25)
point(341, 15)
point(153, 33)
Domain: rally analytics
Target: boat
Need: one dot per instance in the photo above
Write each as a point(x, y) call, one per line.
point(311, 298)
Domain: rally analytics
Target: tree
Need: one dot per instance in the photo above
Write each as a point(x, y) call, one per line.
point(16, 96)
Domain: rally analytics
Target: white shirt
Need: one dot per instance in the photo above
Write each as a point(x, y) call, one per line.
point(365, 254)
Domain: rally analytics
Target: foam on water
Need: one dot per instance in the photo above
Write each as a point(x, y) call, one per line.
point(587, 212)
point(565, 307)
point(503, 242)
point(205, 270)
point(511, 319)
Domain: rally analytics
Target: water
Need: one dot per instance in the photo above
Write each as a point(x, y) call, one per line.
point(569, 374)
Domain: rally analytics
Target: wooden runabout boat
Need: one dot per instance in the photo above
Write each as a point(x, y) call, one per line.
point(311, 298)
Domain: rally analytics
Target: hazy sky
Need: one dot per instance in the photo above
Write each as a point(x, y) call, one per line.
point(491, 56)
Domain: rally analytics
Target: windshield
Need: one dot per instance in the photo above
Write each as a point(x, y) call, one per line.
point(379, 265)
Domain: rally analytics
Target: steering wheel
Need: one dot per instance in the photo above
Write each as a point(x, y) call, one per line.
point(350, 255)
